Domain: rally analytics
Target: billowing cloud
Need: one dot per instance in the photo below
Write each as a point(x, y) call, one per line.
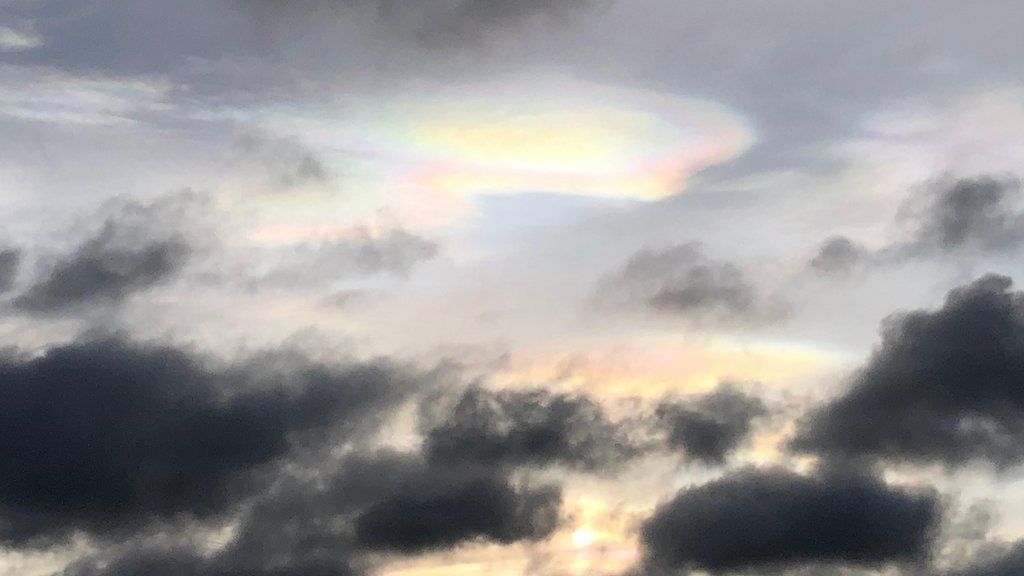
point(522, 427)
point(943, 385)
point(106, 435)
point(709, 427)
point(773, 518)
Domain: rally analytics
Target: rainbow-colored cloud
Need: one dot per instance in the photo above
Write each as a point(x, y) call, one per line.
point(426, 155)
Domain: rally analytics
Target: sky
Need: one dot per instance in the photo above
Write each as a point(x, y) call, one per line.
point(511, 287)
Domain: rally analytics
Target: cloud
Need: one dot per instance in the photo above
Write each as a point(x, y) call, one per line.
point(99, 272)
point(438, 24)
point(137, 247)
point(710, 427)
point(164, 561)
point(531, 428)
point(10, 263)
point(156, 562)
point(371, 503)
point(107, 435)
point(773, 518)
point(388, 501)
point(289, 164)
point(681, 280)
point(15, 40)
point(838, 256)
point(982, 212)
point(942, 385)
point(1008, 563)
point(440, 510)
point(948, 216)
point(363, 252)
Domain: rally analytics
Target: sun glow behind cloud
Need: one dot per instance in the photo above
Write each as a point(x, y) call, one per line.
point(426, 156)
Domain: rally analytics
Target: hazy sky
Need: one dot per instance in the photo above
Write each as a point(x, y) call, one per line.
point(511, 287)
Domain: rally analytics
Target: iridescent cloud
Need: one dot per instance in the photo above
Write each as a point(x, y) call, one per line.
point(426, 156)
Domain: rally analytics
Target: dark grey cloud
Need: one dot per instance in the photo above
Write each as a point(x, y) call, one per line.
point(773, 519)
point(163, 561)
point(107, 435)
point(373, 503)
point(446, 508)
point(393, 502)
point(535, 427)
point(712, 426)
point(157, 562)
point(682, 280)
point(943, 385)
point(10, 264)
point(137, 246)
